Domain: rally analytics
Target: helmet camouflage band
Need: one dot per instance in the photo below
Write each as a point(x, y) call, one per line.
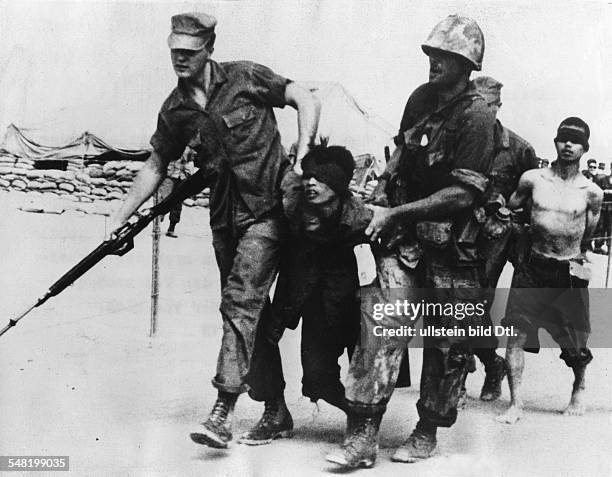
point(459, 35)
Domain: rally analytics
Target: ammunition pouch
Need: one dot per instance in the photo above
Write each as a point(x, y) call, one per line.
point(437, 234)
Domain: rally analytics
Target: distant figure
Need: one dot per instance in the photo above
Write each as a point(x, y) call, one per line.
point(591, 169)
point(544, 163)
point(601, 168)
point(549, 286)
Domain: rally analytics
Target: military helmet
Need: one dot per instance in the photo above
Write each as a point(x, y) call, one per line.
point(459, 35)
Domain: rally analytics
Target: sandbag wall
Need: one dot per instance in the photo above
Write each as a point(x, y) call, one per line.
point(92, 183)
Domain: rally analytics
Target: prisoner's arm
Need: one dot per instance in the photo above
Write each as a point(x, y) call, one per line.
point(308, 108)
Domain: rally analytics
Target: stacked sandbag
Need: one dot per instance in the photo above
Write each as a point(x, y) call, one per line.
point(7, 161)
point(75, 165)
point(6, 166)
point(98, 186)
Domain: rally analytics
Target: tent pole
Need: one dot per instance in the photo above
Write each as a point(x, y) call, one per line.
point(155, 272)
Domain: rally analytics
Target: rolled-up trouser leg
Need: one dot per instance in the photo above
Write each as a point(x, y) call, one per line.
point(248, 264)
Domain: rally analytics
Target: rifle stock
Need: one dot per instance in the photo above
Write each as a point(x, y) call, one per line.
point(122, 240)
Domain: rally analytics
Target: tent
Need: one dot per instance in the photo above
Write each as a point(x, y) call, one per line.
point(343, 121)
point(86, 146)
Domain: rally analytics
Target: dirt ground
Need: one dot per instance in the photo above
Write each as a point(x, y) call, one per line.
point(81, 377)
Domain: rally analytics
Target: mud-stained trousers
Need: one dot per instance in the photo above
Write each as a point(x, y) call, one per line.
point(373, 371)
point(446, 359)
point(248, 257)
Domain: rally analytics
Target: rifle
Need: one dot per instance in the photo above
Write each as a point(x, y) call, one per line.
point(122, 240)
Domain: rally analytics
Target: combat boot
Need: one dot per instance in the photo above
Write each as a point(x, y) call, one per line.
point(420, 445)
point(216, 431)
point(276, 422)
point(492, 387)
point(360, 446)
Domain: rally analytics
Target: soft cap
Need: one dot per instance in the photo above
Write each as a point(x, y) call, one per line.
point(191, 31)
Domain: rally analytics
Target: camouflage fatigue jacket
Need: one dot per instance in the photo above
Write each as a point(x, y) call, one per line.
point(445, 145)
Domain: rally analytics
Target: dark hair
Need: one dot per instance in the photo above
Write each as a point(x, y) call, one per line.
point(339, 155)
point(332, 165)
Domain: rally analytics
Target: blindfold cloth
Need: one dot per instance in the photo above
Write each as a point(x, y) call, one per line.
point(329, 173)
point(575, 135)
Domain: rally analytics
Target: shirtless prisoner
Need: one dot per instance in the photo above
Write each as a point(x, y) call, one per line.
point(549, 285)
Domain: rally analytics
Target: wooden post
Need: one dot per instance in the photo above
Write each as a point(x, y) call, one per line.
point(155, 272)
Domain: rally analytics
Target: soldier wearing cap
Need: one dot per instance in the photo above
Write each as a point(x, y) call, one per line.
point(224, 111)
point(436, 178)
point(512, 157)
point(591, 170)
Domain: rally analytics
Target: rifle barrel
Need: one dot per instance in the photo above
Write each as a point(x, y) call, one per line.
point(14, 321)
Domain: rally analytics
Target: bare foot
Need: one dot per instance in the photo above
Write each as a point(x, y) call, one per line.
point(575, 406)
point(513, 414)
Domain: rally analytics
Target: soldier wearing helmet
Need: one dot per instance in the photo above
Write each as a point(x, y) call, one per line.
point(425, 237)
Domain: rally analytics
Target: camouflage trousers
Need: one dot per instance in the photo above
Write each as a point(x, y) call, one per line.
point(373, 371)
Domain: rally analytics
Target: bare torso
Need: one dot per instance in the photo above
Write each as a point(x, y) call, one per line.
point(558, 214)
